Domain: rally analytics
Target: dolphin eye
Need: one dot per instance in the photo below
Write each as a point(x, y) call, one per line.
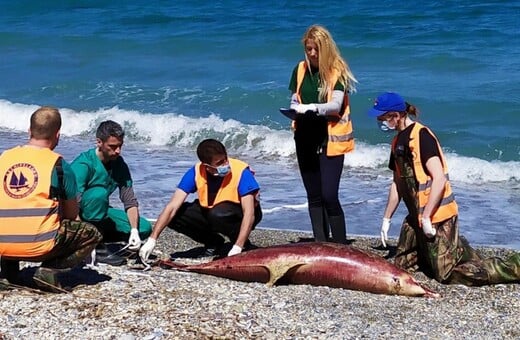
point(397, 282)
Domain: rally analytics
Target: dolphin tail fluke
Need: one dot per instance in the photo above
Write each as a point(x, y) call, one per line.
point(169, 264)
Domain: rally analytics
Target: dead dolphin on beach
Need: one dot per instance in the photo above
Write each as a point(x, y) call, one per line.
point(314, 263)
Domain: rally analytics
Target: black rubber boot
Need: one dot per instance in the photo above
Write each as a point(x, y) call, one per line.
point(339, 232)
point(317, 222)
point(104, 255)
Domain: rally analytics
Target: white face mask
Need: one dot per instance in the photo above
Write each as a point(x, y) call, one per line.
point(223, 170)
point(384, 126)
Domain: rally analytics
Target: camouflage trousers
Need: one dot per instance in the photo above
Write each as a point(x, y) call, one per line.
point(449, 258)
point(75, 240)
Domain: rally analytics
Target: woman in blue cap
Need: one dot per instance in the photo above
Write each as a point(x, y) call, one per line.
point(429, 236)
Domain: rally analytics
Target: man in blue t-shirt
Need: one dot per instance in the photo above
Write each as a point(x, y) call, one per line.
point(227, 203)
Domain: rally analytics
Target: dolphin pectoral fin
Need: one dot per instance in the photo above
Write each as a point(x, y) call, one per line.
point(279, 269)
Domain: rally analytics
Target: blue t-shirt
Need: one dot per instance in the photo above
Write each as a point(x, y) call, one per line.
point(246, 185)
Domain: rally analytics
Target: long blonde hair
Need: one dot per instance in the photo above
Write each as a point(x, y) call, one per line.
point(330, 61)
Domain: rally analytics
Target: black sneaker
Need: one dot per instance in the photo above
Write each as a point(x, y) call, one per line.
point(103, 255)
point(209, 251)
point(212, 250)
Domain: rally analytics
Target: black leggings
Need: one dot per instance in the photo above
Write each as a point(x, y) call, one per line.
point(321, 175)
point(205, 225)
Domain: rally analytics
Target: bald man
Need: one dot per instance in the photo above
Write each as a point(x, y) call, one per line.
point(39, 207)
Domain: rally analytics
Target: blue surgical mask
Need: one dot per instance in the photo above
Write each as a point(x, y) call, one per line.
point(223, 170)
point(384, 126)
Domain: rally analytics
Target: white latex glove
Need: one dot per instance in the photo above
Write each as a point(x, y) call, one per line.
point(385, 226)
point(427, 227)
point(134, 242)
point(303, 108)
point(235, 250)
point(91, 259)
point(147, 248)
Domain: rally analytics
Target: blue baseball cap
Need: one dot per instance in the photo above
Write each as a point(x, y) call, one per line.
point(388, 101)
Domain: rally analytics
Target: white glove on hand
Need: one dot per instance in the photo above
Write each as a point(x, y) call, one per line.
point(147, 248)
point(134, 242)
point(304, 108)
point(235, 250)
point(384, 230)
point(91, 259)
point(427, 227)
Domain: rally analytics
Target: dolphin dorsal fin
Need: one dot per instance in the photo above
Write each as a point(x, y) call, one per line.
point(277, 269)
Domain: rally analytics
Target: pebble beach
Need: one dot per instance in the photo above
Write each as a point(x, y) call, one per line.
point(124, 303)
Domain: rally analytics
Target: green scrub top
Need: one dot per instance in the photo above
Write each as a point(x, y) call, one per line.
point(96, 182)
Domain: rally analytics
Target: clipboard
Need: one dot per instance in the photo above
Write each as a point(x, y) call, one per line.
point(289, 113)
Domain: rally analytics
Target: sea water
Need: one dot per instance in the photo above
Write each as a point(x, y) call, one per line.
point(176, 72)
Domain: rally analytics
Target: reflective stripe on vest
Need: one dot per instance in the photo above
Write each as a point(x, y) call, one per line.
point(447, 207)
point(28, 212)
point(29, 218)
point(340, 132)
point(228, 190)
point(50, 235)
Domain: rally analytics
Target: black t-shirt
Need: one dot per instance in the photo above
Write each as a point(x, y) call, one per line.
point(214, 184)
point(427, 143)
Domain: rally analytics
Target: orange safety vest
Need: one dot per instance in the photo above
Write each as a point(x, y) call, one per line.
point(340, 131)
point(29, 218)
point(228, 190)
point(447, 207)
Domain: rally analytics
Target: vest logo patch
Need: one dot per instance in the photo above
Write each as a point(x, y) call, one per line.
point(20, 180)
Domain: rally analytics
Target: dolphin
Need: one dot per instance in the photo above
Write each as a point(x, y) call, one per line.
point(313, 263)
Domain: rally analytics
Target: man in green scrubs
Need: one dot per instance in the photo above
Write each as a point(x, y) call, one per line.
point(99, 171)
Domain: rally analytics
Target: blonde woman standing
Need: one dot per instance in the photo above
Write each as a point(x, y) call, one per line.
point(322, 128)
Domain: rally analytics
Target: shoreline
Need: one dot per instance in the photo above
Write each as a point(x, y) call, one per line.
point(121, 303)
point(375, 238)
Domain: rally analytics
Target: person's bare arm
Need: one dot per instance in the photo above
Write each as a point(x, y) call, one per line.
point(168, 213)
point(248, 210)
point(393, 199)
point(69, 209)
point(436, 171)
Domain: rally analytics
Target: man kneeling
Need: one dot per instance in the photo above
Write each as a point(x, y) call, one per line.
point(227, 203)
point(39, 208)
